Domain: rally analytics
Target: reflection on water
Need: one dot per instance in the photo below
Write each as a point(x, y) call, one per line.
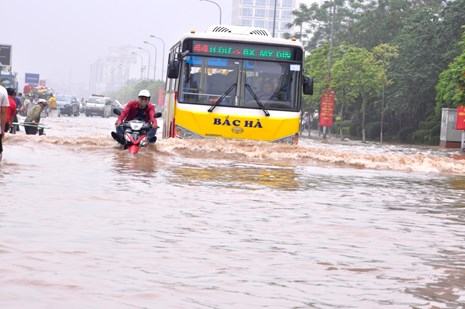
point(457, 183)
point(448, 290)
point(236, 176)
point(222, 224)
point(144, 164)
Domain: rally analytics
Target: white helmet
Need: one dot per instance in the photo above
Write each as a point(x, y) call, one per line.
point(144, 93)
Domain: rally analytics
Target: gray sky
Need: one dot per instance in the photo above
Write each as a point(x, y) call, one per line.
point(61, 38)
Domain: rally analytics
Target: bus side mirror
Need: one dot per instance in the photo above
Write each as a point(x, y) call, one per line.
point(308, 85)
point(173, 69)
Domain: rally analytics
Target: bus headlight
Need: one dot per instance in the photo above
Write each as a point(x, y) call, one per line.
point(184, 133)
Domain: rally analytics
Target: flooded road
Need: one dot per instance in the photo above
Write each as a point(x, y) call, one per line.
point(222, 224)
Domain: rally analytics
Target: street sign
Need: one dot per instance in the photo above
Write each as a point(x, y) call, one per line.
point(32, 79)
point(327, 108)
point(460, 120)
point(5, 55)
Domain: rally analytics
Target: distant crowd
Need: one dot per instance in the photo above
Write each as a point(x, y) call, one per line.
point(31, 106)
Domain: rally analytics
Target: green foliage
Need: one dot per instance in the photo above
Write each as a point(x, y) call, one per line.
point(319, 20)
point(357, 74)
point(317, 66)
point(423, 55)
point(384, 54)
point(359, 77)
point(451, 86)
point(413, 42)
point(429, 130)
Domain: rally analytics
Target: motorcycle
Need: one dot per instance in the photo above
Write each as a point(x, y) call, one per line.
point(135, 133)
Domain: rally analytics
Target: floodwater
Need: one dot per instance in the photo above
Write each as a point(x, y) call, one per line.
point(224, 224)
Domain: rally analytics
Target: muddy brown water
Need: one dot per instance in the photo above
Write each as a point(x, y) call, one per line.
point(222, 224)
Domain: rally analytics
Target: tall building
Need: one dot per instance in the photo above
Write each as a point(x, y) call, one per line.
point(112, 72)
point(260, 13)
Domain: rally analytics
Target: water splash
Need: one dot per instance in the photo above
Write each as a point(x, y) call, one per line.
point(397, 158)
point(391, 159)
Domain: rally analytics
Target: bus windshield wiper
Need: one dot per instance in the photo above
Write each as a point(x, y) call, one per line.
point(223, 96)
point(248, 87)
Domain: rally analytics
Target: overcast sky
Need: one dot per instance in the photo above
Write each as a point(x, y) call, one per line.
point(61, 38)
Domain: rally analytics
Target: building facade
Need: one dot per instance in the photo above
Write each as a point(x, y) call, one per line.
point(260, 13)
point(112, 72)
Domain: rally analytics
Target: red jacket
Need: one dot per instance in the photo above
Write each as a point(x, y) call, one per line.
point(10, 115)
point(131, 110)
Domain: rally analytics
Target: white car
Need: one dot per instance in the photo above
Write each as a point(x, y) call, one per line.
point(100, 106)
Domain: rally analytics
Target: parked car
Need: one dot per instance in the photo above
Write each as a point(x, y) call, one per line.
point(67, 105)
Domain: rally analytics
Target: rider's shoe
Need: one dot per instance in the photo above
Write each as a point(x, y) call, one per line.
point(118, 138)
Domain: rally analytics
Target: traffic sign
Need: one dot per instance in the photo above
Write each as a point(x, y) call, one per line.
point(32, 79)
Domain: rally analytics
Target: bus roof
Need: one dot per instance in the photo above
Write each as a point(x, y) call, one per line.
point(241, 34)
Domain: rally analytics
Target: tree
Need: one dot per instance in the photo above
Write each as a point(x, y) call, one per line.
point(451, 85)
point(322, 21)
point(426, 33)
point(317, 66)
point(384, 53)
point(378, 22)
point(360, 77)
point(302, 18)
point(415, 72)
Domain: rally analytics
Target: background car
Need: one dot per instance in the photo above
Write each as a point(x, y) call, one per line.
point(67, 105)
point(99, 106)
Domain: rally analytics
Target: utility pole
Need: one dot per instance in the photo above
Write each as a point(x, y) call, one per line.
point(331, 33)
point(274, 17)
point(163, 55)
point(155, 59)
point(219, 7)
point(141, 64)
point(148, 65)
point(330, 52)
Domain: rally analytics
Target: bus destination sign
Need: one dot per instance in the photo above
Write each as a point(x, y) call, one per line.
point(240, 50)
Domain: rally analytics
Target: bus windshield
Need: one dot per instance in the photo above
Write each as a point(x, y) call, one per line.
point(205, 79)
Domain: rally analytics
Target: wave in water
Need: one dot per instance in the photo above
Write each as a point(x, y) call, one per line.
point(421, 161)
point(400, 159)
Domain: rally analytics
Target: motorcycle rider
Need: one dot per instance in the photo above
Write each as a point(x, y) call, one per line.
point(141, 109)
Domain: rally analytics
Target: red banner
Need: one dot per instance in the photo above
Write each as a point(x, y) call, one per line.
point(460, 123)
point(161, 98)
point(327, 108)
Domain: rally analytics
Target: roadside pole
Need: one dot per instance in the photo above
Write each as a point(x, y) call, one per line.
point(462, 143)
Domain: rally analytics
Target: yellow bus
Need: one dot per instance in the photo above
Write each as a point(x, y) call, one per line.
point(235, 82)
